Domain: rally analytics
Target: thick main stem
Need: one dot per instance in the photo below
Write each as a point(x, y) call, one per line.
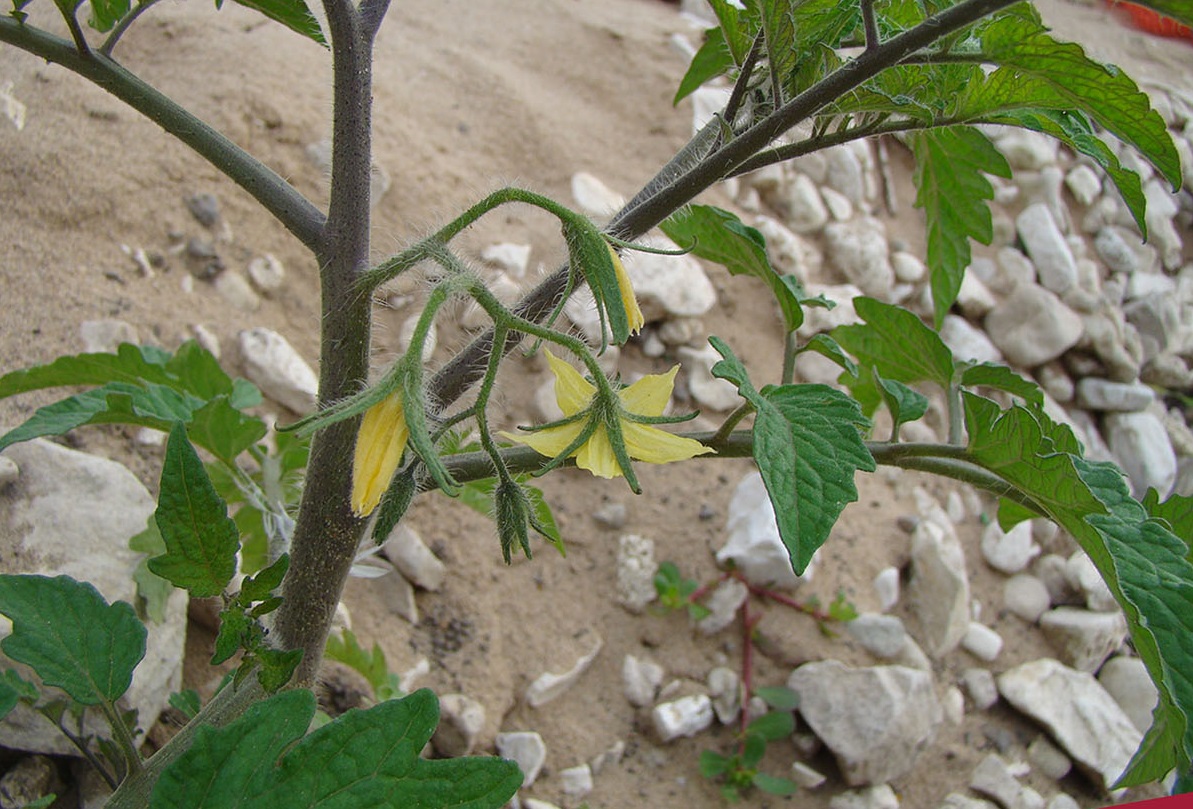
point(327, 532)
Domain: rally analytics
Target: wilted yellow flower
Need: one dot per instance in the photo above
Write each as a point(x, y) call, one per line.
point(646, 397)
point(632, 311)
point(379, 447)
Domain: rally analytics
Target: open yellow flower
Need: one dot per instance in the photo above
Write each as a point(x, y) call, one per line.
point(647, 397)
point(632, 311)
point(379, 447)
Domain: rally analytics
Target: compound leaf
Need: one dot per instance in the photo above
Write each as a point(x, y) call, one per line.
point(363, 758)
point(952, 188)
point(897, 343)
point(201, 540)
point(66, 632)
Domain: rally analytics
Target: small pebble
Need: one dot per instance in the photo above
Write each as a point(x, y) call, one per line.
point(205, 208)
point(1026, 596)
point(1048, 759)
point(526, 749)
point(576, 781)
point(611, 515)
point(806, 777)
point(981, 687)
point(982, 642)
point(886, 586)
point(9, 471)
point(686, 716)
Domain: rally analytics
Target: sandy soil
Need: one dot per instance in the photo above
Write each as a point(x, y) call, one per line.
point(469, 95)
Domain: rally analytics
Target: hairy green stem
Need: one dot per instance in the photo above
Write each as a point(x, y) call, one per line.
point(123, 25)
point(276, 195)
point(124, 739)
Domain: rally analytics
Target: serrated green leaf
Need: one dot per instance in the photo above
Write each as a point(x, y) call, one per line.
point(276, 667)
point(737, 28)
point(779, 30)
point(719, 236)
point(773, 785)
point(1011, 514)
point(1058, 75)
point(223, 430)
point(186, 702)
point(70, 636)
point(130, 364)
point(1177, 511)
point(294, 14)
point(773, 726)
point(778, 697)
point(14, 689)
point(201, 541)
point(106, 13)
point(1000, 377)
point(904, 403)
point(363, 758)
point(826, 346)
point(951, 164)
point(259, 586)
point(233, 631)
point(897, 343)
point(711, 60)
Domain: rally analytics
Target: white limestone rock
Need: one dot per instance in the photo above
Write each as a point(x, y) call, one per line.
point(550, 686)
point(668, 285)
point(754, 545)
point(967, 342)
point(939, 587)
point(10, 473)
point(1027, 150)
point(526, 749)
point(636, 568)
point(1094, 393)
point(875, 720)
point(641, 679)
point(982, 642)
point(1083, 639)
point(1084, 184)
point(709, 391)
point(879, 796)
point(805, 776)
point(1084, 578)
point(723, 604)
point(72, 514)
point(267, 273)
point(1144, 450)
point(595, 198)
point(508, 257)
point(236, 290)
point(789, 252)
point(461, 720)
point(683, 717)
point(860, 251)
point(1047, 248)
point(955, 800)
point(1049, 759)
point(1081, 716)
point(1033, 326)
point(724, 688)
point(980, 686)
point(881, 635)
point(801, 205)
point(1026, 596)
point(413, 559)
point(1126, 679)
point(576, 781)
point(886, 587)
point(105, 336)
point(995, 778)
point(909, 269)
point(272, 364)
point(1008, 551)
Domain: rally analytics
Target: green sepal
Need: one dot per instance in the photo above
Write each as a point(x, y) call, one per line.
point(589, 253)
point(394, 502)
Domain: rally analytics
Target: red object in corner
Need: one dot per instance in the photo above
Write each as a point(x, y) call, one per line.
point(1175, 802)
point(1152, 21)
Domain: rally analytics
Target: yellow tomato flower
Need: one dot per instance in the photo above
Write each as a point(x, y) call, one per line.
point(646, 397)
point(379, 447)
point(632, 311)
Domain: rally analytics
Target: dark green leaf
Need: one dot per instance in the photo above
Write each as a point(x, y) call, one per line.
point(713, 765)
point(277, 667)
point(364, 758)
point(234, 630)
point(186, 703)
point(130, 364)
point(70, 636)
point(265, 607)
point(779, 697)
point(773, 726)
point(1000, 377)
point(293, 14)
point(735, 27)
point(1177, 511)
point(223, 430)
point(259, 586)
point(712, 60)
point(897, 343)
point(719, 236)
point(1038, 71)
point(779, 29)
point(1011, 514)
point(106, 13)
point(774, 785)
point(904, 403)
point(201, 541)
point(951, 164)
point(13, 689)
point(753, 749)
point(826, 346)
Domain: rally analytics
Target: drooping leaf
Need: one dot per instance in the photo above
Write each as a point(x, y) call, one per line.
point(201, 541)
point(589, 254)
point(294, 14)
point(258, 586)
point(905, 403)
point(152, 590)
point(719, 236)
point(1177, 511)
point(826, 346)
point(897, 343)
point(737, 27)
point(1060, 76)
point(951, 164)
point(779, 30)
point(363, 758)
point(711, 60)
point(1000, 377)
point(66, 632)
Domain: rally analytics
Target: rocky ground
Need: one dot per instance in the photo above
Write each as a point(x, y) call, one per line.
point(968, 679)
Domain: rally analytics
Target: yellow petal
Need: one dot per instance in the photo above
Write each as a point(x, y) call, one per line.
point(572, 391)
point(380, 443)
point(650, 444)
point(596, 455)
point(650, 394)
point(549, 442)
point(628, 300)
